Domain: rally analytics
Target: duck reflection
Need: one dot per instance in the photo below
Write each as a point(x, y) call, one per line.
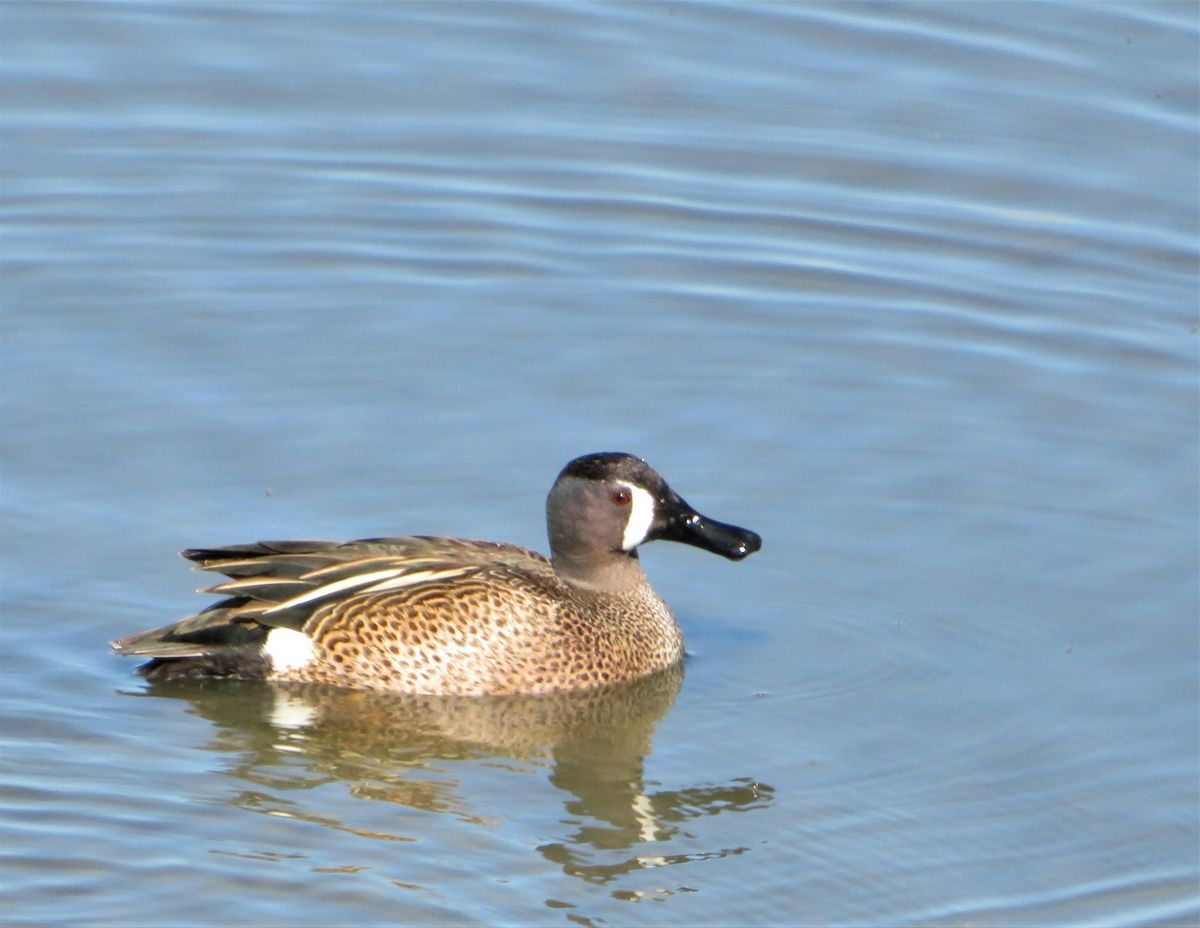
point(403, 749)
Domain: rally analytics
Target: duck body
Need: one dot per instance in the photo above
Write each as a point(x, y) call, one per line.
point(446, 616)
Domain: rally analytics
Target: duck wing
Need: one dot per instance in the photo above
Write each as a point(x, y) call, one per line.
point(280, 584)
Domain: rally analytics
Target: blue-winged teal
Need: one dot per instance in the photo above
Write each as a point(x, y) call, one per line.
point(448, 616)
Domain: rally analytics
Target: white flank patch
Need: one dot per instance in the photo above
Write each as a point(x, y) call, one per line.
point(641, 515)
point(287, 649)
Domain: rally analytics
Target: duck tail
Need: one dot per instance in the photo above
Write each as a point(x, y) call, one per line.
point(211, 643)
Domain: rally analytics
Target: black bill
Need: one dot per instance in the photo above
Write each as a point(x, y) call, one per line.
point(675, 520)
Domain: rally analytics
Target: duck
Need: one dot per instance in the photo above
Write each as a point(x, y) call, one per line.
point(435, 616)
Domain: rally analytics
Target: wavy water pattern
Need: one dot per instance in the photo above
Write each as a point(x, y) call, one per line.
point(911, 290)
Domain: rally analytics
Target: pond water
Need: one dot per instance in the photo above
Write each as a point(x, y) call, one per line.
point(911, 290)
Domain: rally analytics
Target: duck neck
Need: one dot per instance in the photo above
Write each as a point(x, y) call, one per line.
point(612, 573)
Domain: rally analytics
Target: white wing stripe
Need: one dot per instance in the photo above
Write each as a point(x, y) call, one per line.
point(374, 582)
point(337, 586)
point(420, 576)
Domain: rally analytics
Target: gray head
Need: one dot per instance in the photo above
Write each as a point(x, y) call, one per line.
point(602, 506)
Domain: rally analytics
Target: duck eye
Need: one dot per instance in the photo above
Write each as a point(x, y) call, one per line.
point(621, 497)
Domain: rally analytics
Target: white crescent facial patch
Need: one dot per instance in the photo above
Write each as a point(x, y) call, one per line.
point(641, 516)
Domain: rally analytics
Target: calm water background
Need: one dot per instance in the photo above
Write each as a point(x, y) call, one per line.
point(911, 290)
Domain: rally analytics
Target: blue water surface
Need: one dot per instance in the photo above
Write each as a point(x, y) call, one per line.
point(909, 289)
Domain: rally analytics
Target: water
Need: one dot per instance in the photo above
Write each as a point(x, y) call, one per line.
point(910, 290)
